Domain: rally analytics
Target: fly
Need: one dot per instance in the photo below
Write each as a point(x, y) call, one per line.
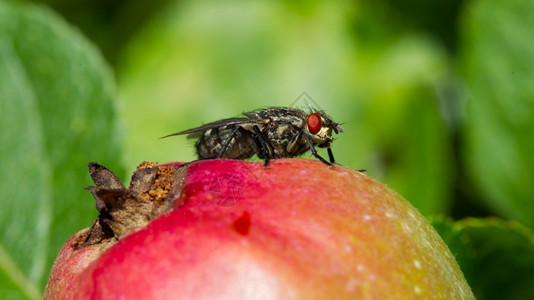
point(277, 132)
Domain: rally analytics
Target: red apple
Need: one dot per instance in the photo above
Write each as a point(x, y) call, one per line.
point(297, 229)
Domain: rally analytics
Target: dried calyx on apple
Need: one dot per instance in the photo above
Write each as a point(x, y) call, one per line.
point(123, 210)
point(230, 229)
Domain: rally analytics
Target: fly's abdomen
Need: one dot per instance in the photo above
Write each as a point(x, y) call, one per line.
point(211, 142)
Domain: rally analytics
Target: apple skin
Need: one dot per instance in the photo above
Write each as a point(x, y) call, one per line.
point(297, 229)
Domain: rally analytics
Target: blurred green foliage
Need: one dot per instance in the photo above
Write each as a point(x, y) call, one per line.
point(57, 114)
point(499, 68)
point(496, 256)
point(435, 97)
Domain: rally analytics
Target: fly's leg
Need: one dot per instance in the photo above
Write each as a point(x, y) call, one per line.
point(313, 151)
point(270, 148)
point(227, 142)
point(331, 155)
point(257, 131)
point(292, 145)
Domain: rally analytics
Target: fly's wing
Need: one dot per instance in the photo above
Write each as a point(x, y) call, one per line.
point(198, 131)
point(253, 114)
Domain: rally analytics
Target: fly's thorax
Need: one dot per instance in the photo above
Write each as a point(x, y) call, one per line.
point(283, 115)
point(278, 135)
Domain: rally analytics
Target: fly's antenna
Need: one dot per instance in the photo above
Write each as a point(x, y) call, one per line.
point(311, 104)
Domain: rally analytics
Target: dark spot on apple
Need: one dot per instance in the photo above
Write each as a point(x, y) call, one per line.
point(242, 224)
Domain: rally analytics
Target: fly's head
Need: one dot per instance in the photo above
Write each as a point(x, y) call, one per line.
point(319, 127)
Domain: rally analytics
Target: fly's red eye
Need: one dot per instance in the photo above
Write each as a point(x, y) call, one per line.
point(314, 123)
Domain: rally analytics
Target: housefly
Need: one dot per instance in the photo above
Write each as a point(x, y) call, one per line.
point(277, 132)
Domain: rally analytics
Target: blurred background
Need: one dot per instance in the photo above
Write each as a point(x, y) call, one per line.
point(436, 99)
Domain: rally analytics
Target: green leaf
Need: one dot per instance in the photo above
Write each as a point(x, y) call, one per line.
point(56, 114)
point(496, 256)
point(499, 69)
